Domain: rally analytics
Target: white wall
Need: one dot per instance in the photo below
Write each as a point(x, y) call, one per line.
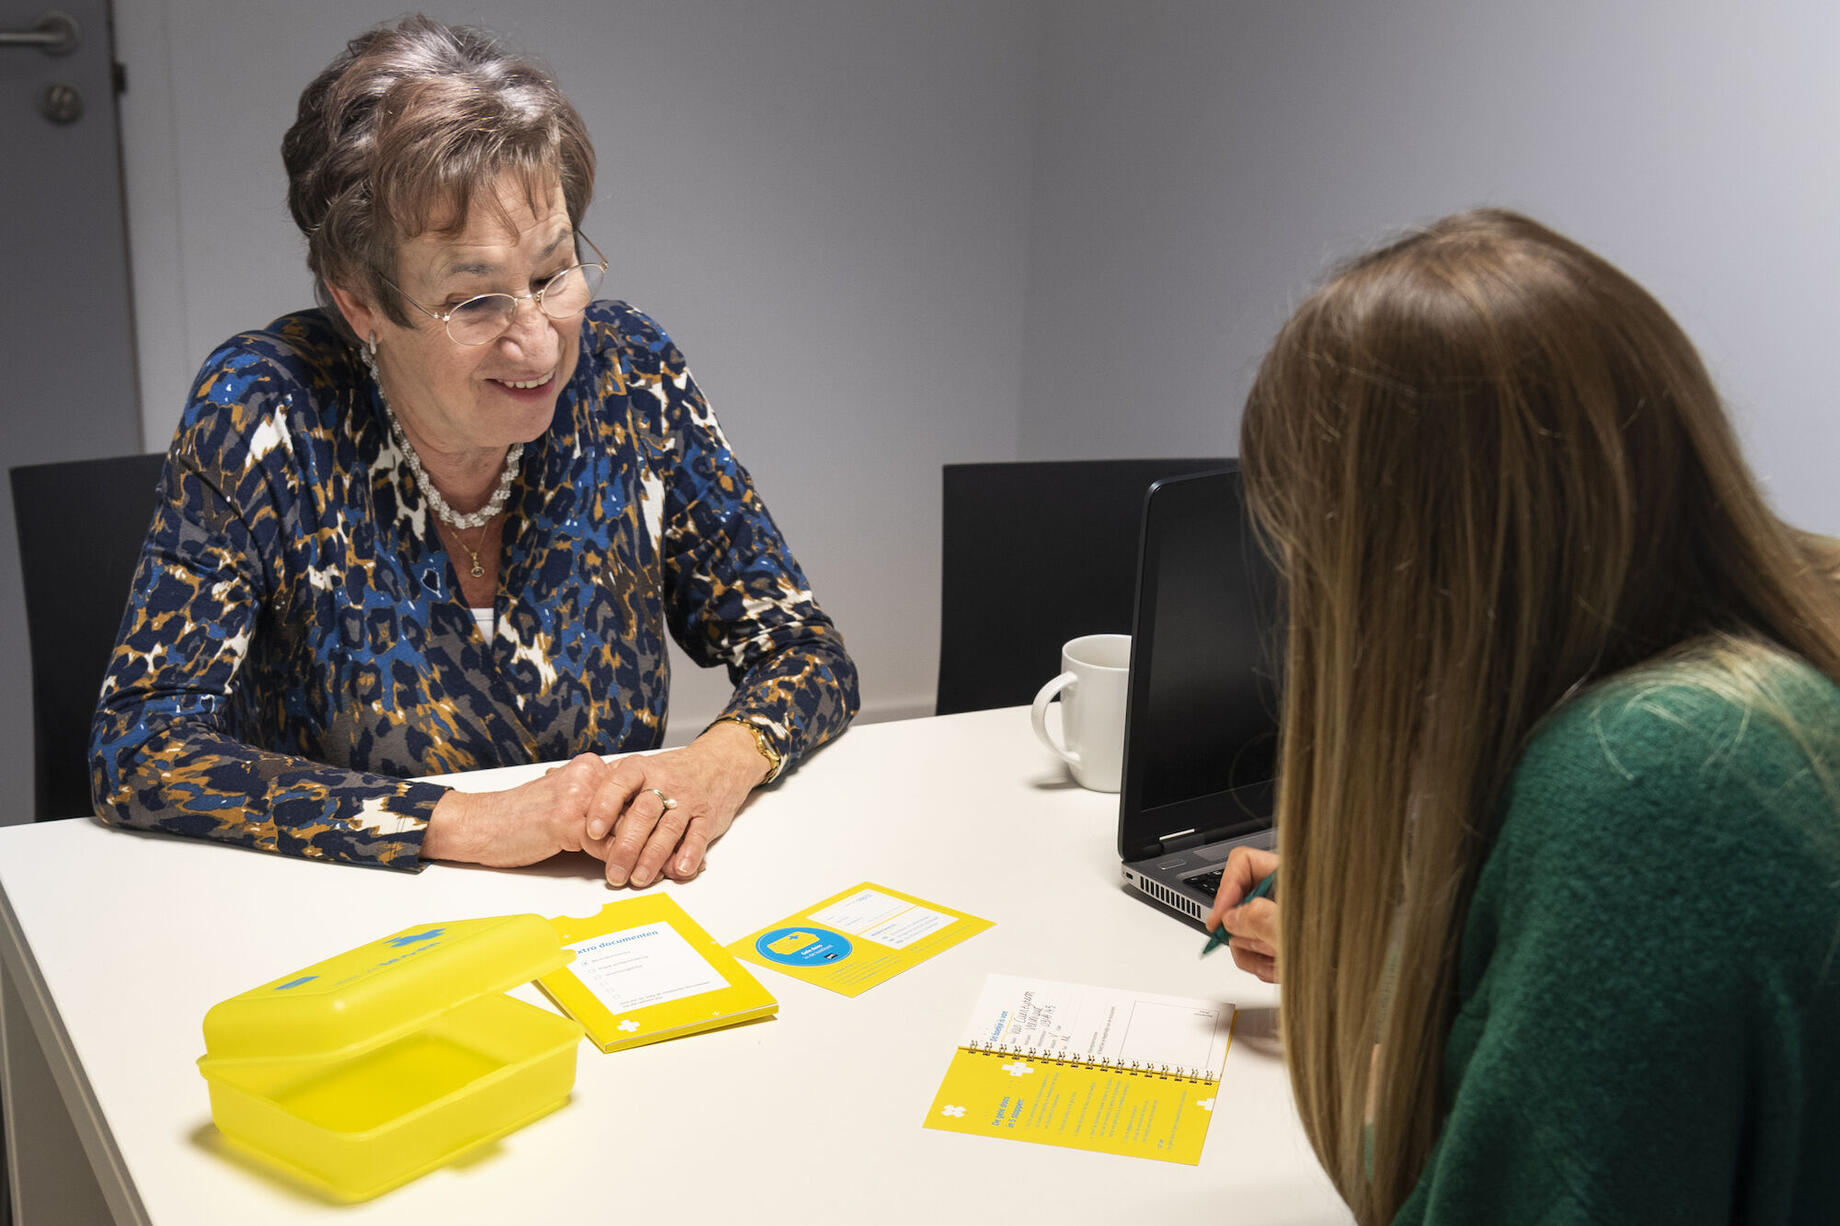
point(895, 233)
point(1198, 163)
point(824, 201)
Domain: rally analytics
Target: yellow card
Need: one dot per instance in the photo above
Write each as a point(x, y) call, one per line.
point(644, 971)
point(852, 941)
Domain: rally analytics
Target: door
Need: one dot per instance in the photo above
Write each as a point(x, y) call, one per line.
point(68, 388)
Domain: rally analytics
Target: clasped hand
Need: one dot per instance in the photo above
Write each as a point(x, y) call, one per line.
point(614, 811)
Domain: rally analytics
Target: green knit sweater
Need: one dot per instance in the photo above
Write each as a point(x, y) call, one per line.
point(1648, 1023)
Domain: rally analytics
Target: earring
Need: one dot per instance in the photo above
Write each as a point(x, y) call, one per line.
point(373, 346)
point(368, 353)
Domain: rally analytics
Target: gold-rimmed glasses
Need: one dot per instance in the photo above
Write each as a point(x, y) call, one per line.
point(484, 318)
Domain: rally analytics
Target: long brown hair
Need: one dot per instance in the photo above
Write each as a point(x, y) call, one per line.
point(1493, 471)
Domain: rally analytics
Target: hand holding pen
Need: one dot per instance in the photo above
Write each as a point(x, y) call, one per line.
point(1244, 916)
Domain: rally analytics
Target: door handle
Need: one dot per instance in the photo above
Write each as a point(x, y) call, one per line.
point(55, 34)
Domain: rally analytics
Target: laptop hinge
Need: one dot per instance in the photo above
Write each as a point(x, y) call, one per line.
point(1182, 840)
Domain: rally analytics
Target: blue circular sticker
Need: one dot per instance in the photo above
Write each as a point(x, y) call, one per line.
point(807, 947)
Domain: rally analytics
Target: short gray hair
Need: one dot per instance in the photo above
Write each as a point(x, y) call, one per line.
point(394, 136)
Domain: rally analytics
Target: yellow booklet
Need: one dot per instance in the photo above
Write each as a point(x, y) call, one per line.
point(644, 972)
point(854, 940)
point(1087, 1068)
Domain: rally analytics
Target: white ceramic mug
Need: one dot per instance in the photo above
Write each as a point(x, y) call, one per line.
point(1095, 672)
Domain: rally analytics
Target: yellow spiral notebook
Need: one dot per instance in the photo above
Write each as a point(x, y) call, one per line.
point(1090, 1068)
point(644, 971)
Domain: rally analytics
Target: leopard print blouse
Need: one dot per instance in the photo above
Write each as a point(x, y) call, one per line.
point(296, 645)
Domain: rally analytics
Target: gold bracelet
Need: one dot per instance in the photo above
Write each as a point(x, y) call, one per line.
point(775, 762)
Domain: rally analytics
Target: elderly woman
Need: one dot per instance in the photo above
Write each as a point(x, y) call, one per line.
point(444, 522)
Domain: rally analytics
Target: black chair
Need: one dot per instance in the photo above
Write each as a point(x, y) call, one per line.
point(1035, 554)
point(81, 524)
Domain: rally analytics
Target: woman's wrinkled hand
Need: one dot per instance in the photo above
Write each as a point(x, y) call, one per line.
point(1255, 925)
point(520, 825)
point(643, 838)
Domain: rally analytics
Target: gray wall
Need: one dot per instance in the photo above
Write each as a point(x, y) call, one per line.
point(895, 233)
point(1197, 164)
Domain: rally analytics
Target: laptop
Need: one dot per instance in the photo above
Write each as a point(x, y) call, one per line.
point(1201, 726)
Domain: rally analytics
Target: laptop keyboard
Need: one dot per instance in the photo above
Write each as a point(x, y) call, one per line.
point(1208, 883)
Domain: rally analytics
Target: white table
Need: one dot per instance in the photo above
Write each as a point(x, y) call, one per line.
point(115, 944)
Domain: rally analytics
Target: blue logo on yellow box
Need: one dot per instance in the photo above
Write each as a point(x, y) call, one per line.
point(806, 947)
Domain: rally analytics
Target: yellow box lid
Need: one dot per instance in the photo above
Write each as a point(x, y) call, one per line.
point(375, 993)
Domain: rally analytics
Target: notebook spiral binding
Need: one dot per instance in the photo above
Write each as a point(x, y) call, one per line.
point(1144, 1068)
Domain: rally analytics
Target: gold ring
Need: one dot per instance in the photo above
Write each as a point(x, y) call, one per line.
point(664, 800)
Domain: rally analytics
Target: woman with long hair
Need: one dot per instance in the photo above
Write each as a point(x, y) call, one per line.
point(1558, 898)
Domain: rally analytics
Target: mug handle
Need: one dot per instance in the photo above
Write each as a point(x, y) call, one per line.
point(1038, 714)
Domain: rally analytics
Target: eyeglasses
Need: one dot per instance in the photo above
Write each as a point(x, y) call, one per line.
point(484, 318)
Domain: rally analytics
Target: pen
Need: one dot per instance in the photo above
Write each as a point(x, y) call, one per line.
point(1220, 936)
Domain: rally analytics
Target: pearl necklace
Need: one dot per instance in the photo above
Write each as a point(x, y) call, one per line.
point(448, 516)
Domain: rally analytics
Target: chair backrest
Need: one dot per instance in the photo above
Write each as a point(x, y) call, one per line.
point(81, 526)
point(1035, 554)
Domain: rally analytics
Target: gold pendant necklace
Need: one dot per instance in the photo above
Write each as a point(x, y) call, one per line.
point(478, 571)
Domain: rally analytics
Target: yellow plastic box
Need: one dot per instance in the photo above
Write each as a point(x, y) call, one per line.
point(362, 1072)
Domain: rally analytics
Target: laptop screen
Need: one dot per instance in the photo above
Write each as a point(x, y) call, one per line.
point(1201, 719)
